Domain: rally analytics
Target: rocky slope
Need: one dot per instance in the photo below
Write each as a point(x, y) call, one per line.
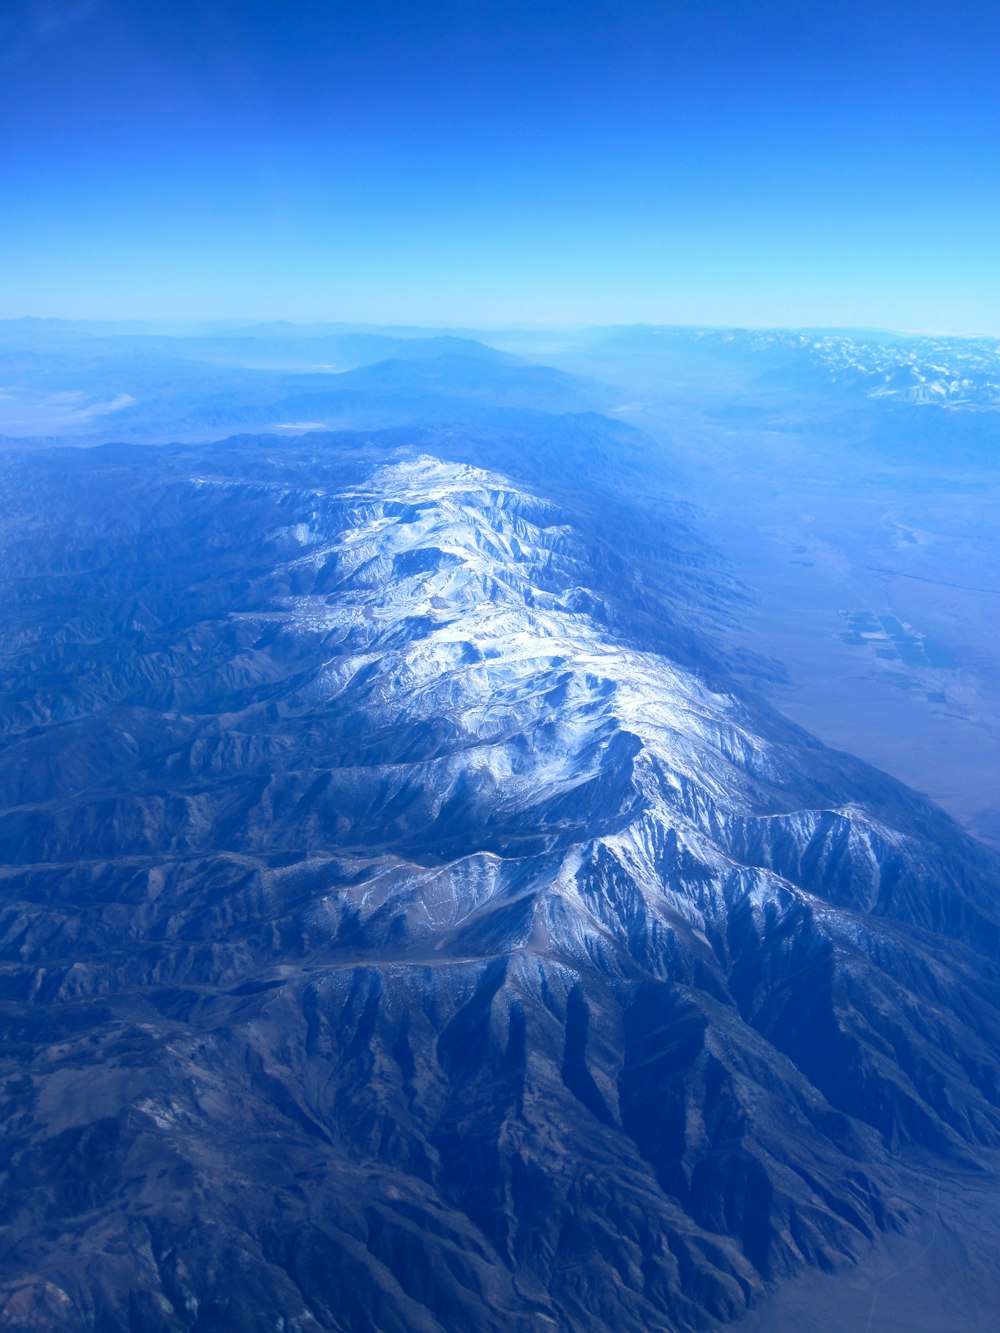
point(407, 926)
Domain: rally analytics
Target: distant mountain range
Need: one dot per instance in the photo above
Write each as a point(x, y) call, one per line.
point(950, 371)
point(63, 381)
point(72, 384)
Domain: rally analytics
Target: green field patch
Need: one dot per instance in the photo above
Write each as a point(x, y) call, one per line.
point(893, 640)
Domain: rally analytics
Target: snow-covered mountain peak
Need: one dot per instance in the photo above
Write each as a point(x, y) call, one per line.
point(470, 630)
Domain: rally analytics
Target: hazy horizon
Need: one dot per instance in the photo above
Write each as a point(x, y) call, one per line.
point(192, 326)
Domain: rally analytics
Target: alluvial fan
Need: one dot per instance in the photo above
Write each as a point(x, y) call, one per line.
point(408, 925)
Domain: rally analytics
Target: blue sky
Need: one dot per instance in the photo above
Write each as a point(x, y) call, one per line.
point(727, 161)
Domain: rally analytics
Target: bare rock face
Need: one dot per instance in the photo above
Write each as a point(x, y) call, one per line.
point(407, 926)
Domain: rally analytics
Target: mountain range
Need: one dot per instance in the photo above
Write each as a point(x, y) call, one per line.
point(413, 920)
